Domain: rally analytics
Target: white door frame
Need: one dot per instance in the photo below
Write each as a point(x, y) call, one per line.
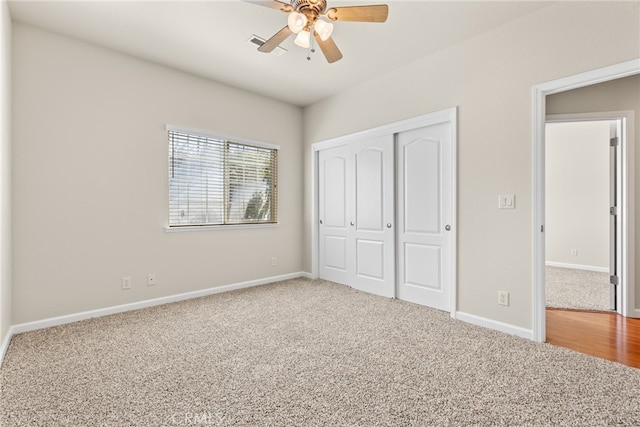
point(539, 95)
point(442, 116)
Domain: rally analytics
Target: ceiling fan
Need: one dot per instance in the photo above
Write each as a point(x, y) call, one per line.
point(304, 20)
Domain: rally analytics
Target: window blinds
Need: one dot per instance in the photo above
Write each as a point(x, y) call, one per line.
point(217, 182)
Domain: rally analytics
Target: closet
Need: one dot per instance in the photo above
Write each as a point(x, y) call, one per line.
point(386, 210)
point(356, 225)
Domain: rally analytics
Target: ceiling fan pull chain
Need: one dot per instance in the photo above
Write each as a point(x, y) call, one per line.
point(310, 49)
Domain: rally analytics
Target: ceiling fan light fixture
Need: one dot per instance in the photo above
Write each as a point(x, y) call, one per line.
point(297, 21)
point(304, 17)
point(303, 39)
point(324, 29)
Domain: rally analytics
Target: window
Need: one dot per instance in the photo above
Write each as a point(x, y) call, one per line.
point(213, 181)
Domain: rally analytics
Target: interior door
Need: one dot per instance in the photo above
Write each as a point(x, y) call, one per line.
point(333, 168)
point(425, 184)
point(371, 216)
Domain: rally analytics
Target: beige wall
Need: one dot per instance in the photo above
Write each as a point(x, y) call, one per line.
point(617, 95)
point(490, 79)
point(90, 179)
point(5, 171)
point(89, 161)
point(577, 193)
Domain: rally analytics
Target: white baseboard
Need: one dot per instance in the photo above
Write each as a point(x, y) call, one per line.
point(635, 313)
point(494, 324)
point(307, 275)
point(577, 266)
point(5, 343)
point(75, 317)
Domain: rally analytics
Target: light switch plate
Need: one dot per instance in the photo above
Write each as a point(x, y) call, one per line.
point(506, 201)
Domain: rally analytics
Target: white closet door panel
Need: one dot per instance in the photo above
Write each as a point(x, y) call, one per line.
point(422, 184)
point(335, 179)
point(332, 206)
point(422, 266)
point(335, 252)
point(372, 216)
point(424, 203)
point(369, 165)
point(370, 259)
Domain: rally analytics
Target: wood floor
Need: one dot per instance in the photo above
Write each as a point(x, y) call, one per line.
point(600, 334)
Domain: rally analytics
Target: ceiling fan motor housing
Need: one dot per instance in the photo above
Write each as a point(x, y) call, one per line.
point(310, 7)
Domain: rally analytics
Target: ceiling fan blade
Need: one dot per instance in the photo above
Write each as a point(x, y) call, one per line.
point(275, 41)
point(371, 13)
point(273, 4)
point(329, 48)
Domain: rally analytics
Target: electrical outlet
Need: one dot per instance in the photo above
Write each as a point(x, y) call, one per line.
point(273, 261)
point(503, 298)
point(151, 279)
point(126, 282)
point(574, 252)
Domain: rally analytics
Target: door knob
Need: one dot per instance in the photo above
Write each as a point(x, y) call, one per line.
point(388, 225)
point(447, 227)
point(351, 223)
point(321, 222)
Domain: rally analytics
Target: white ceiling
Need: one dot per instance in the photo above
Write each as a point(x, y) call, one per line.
point(209, 38)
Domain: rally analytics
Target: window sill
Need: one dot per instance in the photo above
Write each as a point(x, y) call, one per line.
point(189, 228)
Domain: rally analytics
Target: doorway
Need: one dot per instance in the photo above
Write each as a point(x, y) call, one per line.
point(627, 254)
point(582, 189)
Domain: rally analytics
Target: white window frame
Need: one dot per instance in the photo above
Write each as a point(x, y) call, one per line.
point(220, 136)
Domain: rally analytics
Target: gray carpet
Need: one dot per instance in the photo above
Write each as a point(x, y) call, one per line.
point(303, 353)
point(576, 289)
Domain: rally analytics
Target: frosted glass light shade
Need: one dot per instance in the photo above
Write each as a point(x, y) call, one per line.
point(296, 21)
point(324, 29)
point(302, 39)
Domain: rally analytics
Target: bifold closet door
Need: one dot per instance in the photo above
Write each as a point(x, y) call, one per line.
point(334, 165)
point(372, 216)
point(356, 213)
point(425, 180)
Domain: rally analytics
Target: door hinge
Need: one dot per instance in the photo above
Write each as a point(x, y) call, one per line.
point(613, 210)
point(614, 141)
point(613, 280)
point(542, 228)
